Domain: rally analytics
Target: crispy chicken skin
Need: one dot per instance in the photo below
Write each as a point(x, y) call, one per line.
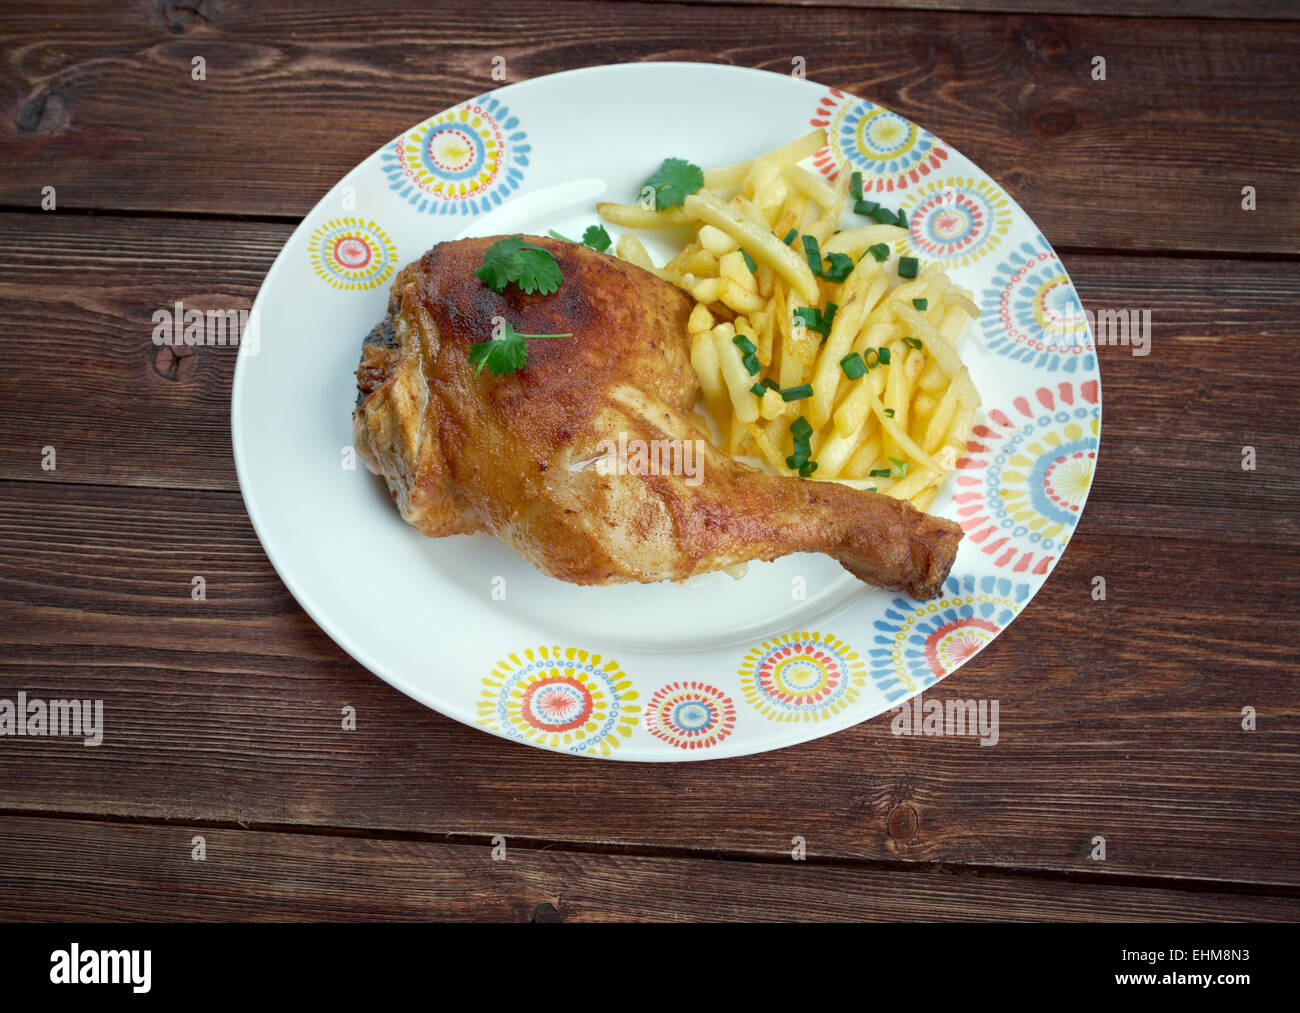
point(511, 455)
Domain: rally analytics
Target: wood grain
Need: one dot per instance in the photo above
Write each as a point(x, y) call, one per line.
point(85, 870)
point(1191, 111)
point(1120, 718)
point(1265, 10)
point(81, 291)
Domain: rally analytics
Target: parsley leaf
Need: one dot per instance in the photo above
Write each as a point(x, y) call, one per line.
point(673, 181)
point(531, 267)
point(597, 238)
point(505, 353)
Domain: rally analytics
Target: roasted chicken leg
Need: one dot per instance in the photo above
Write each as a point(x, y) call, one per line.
point(518, 455)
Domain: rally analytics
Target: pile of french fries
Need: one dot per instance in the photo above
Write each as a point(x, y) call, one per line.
point(899, 428)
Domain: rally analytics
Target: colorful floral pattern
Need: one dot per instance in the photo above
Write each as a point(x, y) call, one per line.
point(352, 254)
point(690, 715)
point(1033, 315)
point(956, 220)
point(1025, 475)
point(891, 152)
point(918, 643)
point(801, 677)
point(464, 160)
point(561, 698)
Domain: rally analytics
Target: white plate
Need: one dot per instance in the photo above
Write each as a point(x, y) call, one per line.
point(656, 672)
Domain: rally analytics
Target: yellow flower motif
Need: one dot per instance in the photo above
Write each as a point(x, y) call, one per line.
point(561, 698)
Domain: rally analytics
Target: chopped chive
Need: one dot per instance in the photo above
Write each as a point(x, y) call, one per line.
point(872, 358)
point(796, 461)
point(801, 428)
point(556, 235)
point(758, 390)
point(872, 488)
point(879, 473)
point(796, 393)
point(889, 412)
point(853, 366)
point(907, 267)
point(921, 304)
point(807, 468)
point(900, 466)
point(752, 366)
point(789, 236)
point(880, 251)
point(865, 207)
point(808, 316)
point(744, 344)
point(840, 266)
point(911, 342)
point(750, 262)
point(813, 251)
point(769, 383)
point(884, 216)
point(884, 356)
point(855, 186)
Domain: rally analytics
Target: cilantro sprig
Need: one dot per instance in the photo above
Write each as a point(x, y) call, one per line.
point(505, 352)
point(530, 267)
point(674, 181)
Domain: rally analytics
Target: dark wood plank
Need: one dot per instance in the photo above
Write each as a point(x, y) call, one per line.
point(83, 870)
point(1266, 10)
point(1119, 718)
point(80, 292)
point(99, 101)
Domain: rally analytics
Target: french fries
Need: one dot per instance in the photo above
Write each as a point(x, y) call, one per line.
point(879, 377)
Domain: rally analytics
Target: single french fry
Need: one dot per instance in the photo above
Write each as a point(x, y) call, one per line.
point(699, 263)
point(787, 154)
point(634, 216)
point(856, 240)
point(814, 185)
point(917, 481)
point(732, 266)
point(739, 434)
point(767, 448)
point(743, 403)
point(700, 320)
point(941, 420)
point(707, 290)
point(632, 250)
point(935, 343)
point(716, 241)
point(704, 357)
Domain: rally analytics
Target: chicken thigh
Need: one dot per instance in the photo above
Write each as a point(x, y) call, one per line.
point(520, 456)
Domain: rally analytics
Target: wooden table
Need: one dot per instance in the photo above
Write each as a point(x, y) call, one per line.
point(1120, 718)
